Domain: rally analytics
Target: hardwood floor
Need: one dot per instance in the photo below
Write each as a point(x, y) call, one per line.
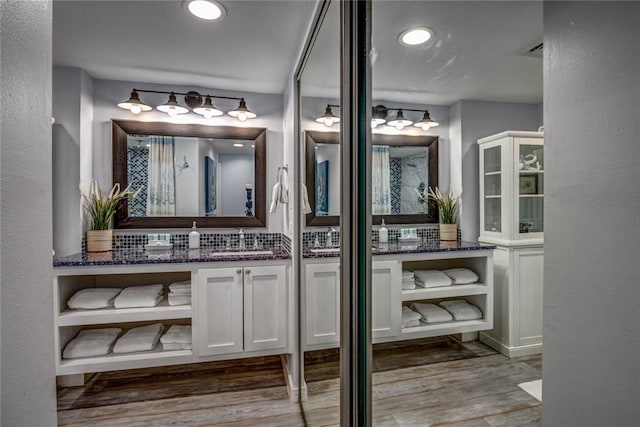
point(456, 384)
point(431, 382)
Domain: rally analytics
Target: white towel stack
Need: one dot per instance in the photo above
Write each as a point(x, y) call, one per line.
point(462, 310)
point(408, 280)
point(91, 343)
point(461, 276)
point(431, 278)
point(410, 318)
point(139, 296)
point(180, 293)
point(431, 313)
point(93, 298)
point(178, 337)
point(143, 338)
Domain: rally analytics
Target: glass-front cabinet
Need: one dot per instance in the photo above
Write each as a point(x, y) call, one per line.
point(512, 188)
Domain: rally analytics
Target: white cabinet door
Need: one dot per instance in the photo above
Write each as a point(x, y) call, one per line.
point(265, 308)
point(386, 299)
point(322, 304)
point(220, 311)
point(528, 270)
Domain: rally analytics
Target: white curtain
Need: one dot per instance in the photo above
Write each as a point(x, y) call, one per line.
point(381, 180)
point(161, 196)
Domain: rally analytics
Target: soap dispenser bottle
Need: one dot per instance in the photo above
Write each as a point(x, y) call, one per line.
point(383, 233)
point(194, 237)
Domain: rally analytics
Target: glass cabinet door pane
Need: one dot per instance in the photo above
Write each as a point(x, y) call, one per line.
point(531, 158)
point(492, 160)
point(492, 214)
point(531, 217)
point(493, 185)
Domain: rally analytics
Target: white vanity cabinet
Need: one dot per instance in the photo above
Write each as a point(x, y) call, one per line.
point(321, 311)
point(511, 217)
point(242, 309)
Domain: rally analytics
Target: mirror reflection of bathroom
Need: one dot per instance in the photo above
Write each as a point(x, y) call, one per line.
point(437, 331)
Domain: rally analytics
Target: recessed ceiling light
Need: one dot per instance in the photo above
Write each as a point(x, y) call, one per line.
point(238, 145)
point(415, 36)
point(205, 9)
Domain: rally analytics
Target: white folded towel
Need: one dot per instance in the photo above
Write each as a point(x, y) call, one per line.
point(461, 276)
point(178, 286)
point(91, 343)
point(408, 314)
point(179, 299)
point(411, 323)
point(275, 197)
point(176, 346)
point(181, 292)
point(177, 334)
point(431, 278)
point(462, 310)
point(306, 207)
point(408, 286)
point(93, 298)
point(431, 313)
point(143, 338)
point(407, 274)
point(139, 296)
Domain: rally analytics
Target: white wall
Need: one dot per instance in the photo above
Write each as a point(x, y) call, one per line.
point(591, 371)
point(474, 120)
point(27, 388)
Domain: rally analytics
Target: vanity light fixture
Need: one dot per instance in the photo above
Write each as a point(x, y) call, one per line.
point(171, 107)
point(242, 113)
point(400, 121)
point(192, 99)
point(328, 118)
point(426, 123)
point(134, 104)
point(415, 36)
point(205, 9)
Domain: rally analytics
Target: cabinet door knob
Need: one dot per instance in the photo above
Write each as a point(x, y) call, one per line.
point(238, 271)
point(247, 272)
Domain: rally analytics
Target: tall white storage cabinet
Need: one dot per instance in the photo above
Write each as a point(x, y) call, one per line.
point(511, 217)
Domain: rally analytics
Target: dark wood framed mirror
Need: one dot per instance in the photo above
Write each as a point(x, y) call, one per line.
point(122, 130)
point(411, 143)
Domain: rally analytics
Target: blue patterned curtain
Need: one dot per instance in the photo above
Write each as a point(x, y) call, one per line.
point(161, 197)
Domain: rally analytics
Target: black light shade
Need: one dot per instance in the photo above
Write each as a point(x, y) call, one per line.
point(426, 123)
point(378, 115)
point(328, 118)
point(171, 107)
point(207, 109)
point(134, 104)
point(242, 113)
point(400, 121)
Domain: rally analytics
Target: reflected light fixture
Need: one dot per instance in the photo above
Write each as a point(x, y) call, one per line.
point(328, 118)
point(134, 104)
point(415, 36)
point(208, 10)
point(400, 121)
point(171, 107)
point(242, 113)
point(207, 110)
point(238, 145)
point(426, 123)
point(378, 116)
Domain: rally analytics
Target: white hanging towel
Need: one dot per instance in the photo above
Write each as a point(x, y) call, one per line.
point(275, 197)
point(306, 207)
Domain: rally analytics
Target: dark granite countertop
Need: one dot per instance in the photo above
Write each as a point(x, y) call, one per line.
point(171, 256)
point(395, 248)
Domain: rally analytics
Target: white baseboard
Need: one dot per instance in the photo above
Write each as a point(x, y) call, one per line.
point(525, 350)
point(292, 388)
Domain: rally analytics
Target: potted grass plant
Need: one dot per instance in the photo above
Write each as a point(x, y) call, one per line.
point(448, 205)
point(101, 208)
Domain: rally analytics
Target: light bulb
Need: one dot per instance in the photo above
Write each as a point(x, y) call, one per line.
point(374, 125)
point(242, 116)
point(172, 112)
point(399, 125)
point(425, 126)
point(135, 109)
point(207, 114)
point(328, 122)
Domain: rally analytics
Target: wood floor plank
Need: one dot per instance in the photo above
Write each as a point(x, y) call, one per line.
point(529, 417)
